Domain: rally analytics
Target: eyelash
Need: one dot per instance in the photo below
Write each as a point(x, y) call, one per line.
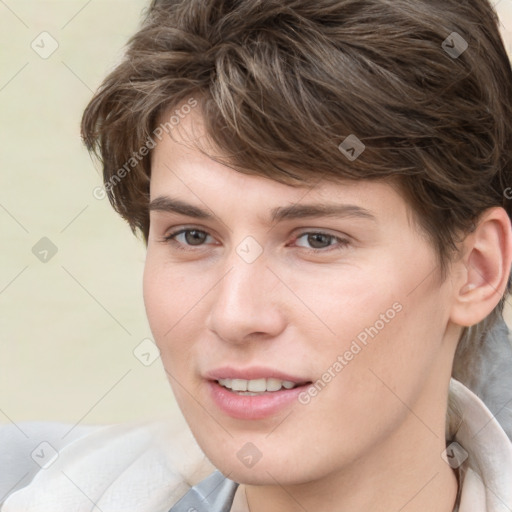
point(342, 242)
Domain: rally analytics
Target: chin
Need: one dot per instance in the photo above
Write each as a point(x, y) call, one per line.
point(279, 467)
point(260, 474)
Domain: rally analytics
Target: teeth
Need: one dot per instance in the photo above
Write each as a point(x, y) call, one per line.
point(273, 384)
point(239, 385)
point(256, 385)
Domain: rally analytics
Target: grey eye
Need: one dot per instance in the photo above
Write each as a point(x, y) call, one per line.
point(195, 237)
point(316, 240)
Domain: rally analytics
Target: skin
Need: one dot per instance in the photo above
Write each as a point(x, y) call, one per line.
point(373, 437)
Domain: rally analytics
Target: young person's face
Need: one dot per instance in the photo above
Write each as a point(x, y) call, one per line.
point(350, 301)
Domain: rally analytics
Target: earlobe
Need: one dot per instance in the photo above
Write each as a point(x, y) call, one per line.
point(486, 268)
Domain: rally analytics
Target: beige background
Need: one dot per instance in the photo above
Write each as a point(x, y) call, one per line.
point(69, 326)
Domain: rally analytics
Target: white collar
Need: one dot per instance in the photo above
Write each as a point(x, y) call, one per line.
point(487, 472)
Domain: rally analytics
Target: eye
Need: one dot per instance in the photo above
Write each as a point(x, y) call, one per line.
point(318, 241)
point(311, 241)
point(187, 237)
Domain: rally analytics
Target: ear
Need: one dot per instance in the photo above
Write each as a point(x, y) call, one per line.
point(484, 269)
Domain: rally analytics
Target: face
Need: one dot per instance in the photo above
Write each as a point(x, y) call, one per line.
point(294, 323)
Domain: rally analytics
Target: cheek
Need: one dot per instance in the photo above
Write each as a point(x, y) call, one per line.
point(171, 300)
point(345, 304)
point(390, 361)
point(386, 324)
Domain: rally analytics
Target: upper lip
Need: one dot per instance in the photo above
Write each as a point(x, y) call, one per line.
point(252, 373)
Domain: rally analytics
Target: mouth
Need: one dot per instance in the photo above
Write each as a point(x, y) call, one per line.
point(258, 387)
point(262, 395)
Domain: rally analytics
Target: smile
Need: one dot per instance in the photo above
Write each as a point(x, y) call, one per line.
point(256, 387)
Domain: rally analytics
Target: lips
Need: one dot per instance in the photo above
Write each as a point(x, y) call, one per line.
point(253, 393)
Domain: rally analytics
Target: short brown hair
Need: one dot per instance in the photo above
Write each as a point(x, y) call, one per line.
point(425, 85)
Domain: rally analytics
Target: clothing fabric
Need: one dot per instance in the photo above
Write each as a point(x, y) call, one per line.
point(141, 467)
point(158, 467)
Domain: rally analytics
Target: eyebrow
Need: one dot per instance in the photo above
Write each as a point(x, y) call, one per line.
point(278, 214)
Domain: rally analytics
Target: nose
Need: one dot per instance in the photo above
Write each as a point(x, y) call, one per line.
point(246, 303)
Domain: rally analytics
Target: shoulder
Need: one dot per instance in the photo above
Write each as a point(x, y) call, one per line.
point(26, 447)
point(479, 446)
point(135, 466)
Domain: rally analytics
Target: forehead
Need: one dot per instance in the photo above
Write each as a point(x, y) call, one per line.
point(185, 165)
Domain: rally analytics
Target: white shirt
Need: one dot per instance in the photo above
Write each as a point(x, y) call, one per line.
point(150, 467)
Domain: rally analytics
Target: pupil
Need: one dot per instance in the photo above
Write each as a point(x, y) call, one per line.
point(194, 237)
point(319, 240)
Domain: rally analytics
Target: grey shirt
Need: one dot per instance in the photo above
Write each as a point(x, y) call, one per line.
point(213, 494)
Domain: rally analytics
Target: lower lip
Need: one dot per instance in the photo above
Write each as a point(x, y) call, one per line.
point(255, 407)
